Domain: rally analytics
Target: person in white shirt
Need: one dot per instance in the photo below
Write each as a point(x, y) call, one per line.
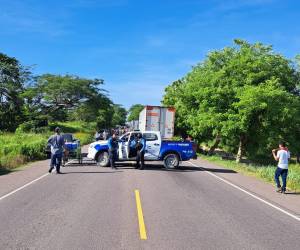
point(282, 156)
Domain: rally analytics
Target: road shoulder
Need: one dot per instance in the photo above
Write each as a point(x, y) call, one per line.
point(266, 191)
point(22, 176)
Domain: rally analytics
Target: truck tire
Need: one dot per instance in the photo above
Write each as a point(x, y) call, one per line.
point(102, 159)
point(171, 161)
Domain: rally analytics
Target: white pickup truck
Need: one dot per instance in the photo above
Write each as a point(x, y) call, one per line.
point(170, 152)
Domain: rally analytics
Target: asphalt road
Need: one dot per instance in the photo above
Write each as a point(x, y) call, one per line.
point(89, 207)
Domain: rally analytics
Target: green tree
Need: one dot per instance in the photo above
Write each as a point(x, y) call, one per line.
point(262, 116)
point(210, 98)
point(134, 112)
point(104, 118)
point(60, 96)
point(13, 76)
point(92, 108)
point(173, 97)
point(119, 115)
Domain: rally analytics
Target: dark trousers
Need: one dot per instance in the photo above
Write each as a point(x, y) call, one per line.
point(140, 159)
point(283, 173)
point(112, 157)
point(56, 161)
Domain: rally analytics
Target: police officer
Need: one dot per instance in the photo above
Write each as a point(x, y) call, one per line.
point(140, 150)
point(112, 150)
point(57, 144)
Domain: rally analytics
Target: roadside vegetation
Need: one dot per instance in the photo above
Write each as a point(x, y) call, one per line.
point(19, 148)
point(32, 106)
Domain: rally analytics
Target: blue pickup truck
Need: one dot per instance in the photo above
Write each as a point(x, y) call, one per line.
point(170, 152)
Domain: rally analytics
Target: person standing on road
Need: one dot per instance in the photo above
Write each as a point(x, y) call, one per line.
point(282, 156)
point(57, 144)
point(140, 151)
point(112, 150)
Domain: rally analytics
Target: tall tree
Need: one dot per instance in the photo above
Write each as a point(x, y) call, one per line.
point(12, 79)
point(119, 115)
point(60, 95)
point(134, 112)
point(214, 90)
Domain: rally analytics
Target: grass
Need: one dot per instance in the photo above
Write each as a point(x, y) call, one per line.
point(17, 149)
point(265, 173)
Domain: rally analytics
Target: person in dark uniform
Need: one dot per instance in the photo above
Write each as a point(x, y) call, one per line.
point(140, 150)
point(57, 144)
point(112, 150)
point(132, 146)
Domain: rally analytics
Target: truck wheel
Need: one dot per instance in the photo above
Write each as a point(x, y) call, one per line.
point(171, 161)
point(103, 159)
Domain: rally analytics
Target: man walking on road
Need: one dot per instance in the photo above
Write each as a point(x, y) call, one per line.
point(140, 150)
point(282, 156)
point(57, 144)
point(112, 150)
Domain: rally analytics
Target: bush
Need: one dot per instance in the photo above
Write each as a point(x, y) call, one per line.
point(34, 126)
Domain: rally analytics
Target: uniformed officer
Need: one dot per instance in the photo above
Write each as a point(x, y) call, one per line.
point(112, 150)
point(57, 144)
point(140, 148)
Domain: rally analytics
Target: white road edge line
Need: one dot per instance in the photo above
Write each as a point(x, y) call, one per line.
point(24, 186)
point(246, 192)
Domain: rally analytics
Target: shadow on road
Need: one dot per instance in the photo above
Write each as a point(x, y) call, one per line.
point(293, 193)
point(5, 171)
point(154, 167)
point(100, 172)
point(190, 169)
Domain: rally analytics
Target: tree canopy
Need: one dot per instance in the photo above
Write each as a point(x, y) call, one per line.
point(244, 97)
point(13, 77)
point(32, 101)
point(134, 112)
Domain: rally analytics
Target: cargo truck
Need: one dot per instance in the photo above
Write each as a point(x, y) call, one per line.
point(156, 118)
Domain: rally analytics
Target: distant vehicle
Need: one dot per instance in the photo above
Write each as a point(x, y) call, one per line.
point(156, 118)
point(170, 152)
point(133, 125)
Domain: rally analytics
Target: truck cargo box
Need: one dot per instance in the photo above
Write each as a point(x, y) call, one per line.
point(156, 118)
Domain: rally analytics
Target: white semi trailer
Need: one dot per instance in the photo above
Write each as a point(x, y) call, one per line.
point(156, 118)
point(133, 125)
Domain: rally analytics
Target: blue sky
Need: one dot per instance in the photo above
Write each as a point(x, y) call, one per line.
point(139, 47)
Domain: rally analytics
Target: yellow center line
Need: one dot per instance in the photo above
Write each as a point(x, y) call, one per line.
point(143, 233)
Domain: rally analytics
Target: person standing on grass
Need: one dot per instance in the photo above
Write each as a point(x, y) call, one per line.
point(282, 156)
point(57, 144)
